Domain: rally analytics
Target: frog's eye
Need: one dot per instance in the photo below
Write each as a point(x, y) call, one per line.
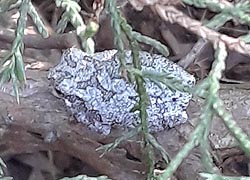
point(174, 99)
point(98, 117)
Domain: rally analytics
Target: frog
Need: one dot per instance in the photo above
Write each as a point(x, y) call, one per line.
point(97, 94)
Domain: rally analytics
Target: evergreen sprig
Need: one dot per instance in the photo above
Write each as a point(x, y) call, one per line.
point(12, 66)
point(2, 175)
point(83, 31)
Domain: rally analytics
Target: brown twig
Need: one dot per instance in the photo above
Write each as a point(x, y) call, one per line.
point(195, 51)
point(173, 15)
point(56, 41)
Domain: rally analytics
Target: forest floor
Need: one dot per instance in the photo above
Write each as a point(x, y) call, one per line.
point(40, 141)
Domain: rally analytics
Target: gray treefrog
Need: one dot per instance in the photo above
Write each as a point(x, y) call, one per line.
point(101, 98)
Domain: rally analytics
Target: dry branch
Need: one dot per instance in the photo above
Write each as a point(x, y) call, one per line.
point(173, 15)
point(56, 41)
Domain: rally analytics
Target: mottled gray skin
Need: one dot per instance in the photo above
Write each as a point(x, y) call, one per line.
point(100, 98)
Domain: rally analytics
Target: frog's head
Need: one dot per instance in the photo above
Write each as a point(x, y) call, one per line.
point(71, 61)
